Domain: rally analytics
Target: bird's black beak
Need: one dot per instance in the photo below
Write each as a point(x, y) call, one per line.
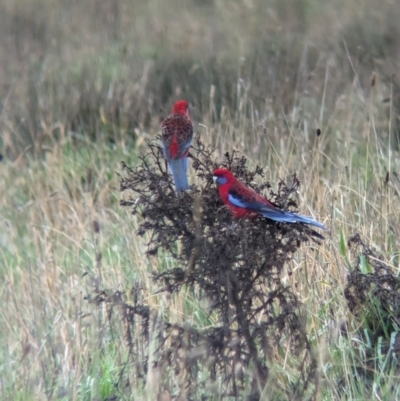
point(215, 178)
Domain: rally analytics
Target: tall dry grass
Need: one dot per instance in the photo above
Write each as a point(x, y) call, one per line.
point(83, 84)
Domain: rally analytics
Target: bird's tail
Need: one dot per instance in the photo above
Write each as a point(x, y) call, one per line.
point(310, 221)
point(287, 217)
point(178, 169)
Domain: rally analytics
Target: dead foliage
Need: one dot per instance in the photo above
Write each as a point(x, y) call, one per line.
point(234, 269)
point(373, 297)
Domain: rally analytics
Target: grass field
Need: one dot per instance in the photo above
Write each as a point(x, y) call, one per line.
point(84, 84)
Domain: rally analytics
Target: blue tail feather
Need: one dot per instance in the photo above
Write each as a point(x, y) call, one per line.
point(287, 217)
point(178, 169)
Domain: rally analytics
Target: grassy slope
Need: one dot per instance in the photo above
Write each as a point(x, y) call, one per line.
point(80, 95)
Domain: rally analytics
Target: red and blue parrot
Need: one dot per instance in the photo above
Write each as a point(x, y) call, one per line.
point(177, 134)
point(245, 202)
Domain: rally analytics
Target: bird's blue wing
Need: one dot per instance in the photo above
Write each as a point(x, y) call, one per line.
point(239, 200)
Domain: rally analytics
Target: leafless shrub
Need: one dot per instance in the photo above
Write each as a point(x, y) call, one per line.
point(235, 267)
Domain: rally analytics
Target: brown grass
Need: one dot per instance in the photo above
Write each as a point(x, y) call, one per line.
point(83, 85)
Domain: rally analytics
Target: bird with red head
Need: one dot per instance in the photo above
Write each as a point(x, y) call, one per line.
point(245, 202)
point(177, 135)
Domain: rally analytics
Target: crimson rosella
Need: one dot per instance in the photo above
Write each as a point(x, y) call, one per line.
point(177, 134)
point(245, 202)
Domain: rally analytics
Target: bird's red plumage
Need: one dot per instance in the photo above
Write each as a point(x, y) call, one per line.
point(176, 136)
point(232, 184)
point(245, 202)
point(181, 107)
point(177, 131)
